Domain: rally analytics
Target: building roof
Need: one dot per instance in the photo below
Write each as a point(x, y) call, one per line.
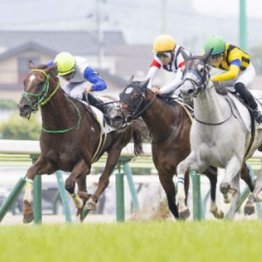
point(25, 47)
point(77, 42)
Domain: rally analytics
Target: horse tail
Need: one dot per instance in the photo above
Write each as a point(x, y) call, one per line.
point(140, 132)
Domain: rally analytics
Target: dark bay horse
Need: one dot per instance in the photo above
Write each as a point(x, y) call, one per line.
point(71, 138)
point(169, 125)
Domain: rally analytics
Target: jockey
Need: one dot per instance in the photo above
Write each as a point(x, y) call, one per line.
point(81, 79)
point(239, 71)
point(170, 57)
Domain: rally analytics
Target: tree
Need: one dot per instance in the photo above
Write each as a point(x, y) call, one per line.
point(18, 128)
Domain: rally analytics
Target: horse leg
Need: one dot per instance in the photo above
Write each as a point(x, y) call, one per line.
point(182, 168)
point(166, 180)
point(82, 192)
point(211, 174)
point(40, 167)
point(79, 170)
point(256, 195)
point(246, 177)
point(235, 198)
point(232, 169)
point(112, 158)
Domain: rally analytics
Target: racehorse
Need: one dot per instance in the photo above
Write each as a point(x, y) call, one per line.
point(71, 138)
point(220, 133)
point(169, 125)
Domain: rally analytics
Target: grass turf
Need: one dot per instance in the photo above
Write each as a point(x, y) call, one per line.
point(134, 241)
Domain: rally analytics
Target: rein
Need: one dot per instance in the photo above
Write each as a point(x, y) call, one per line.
point(146, 107)
point(138, 113)
point(43, 99)
point(218, 123)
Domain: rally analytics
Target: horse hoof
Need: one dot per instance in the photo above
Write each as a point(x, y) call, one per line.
point(184, 214)
point(90, 205)
point(249, 210)
point(219, 214)
point(28, 218)
point(224, 187)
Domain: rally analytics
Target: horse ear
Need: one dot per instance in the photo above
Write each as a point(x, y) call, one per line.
point(207, 55)
point(185, 55)
point(51, 68)
point(131, 79)
point(145, 84)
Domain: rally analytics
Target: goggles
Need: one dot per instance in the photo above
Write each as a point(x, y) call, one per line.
point(70, 75)
point(164, 55)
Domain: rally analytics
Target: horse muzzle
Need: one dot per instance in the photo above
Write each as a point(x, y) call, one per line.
point(25, 111)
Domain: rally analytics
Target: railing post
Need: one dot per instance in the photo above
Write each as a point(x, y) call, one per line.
point(11, 198)
point(131, 184)
point(37, 196)
point(64, 196)
point(37, 199)
point(196, 196)
point(120, 200)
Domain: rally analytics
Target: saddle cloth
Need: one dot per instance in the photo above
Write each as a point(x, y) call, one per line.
point(99, 116)
point(105, 128)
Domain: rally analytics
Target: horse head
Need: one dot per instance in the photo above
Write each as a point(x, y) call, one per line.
point(195, 76)
point(133, 99)
point(37, 88)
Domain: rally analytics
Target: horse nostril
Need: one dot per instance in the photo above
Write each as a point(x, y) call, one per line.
point(24, 110)
point(190, 91)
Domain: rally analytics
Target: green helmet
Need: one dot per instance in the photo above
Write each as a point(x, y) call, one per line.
point(216, 43)
point(65, 63)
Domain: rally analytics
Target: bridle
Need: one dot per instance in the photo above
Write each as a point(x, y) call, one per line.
point(43, 98)
point(200, 85)
point(141, 104)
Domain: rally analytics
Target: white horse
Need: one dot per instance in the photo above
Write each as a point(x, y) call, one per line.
point(220, 135)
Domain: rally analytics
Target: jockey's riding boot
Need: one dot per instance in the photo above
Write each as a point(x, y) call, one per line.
point(108, 111)
point(249, 100)
point(96, 102)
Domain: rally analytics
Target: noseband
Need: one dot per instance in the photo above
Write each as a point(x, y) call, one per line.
point(43, 98)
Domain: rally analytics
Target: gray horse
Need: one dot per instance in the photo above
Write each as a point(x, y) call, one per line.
point(220, 135)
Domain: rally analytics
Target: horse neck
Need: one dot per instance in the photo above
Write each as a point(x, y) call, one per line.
point(57, 112)
point(209, 106)
point(159, 119)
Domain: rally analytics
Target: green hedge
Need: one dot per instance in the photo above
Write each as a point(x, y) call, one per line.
point(19, 128)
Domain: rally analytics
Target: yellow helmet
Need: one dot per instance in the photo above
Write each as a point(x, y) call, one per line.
point(164, 43)
point(65, 63)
